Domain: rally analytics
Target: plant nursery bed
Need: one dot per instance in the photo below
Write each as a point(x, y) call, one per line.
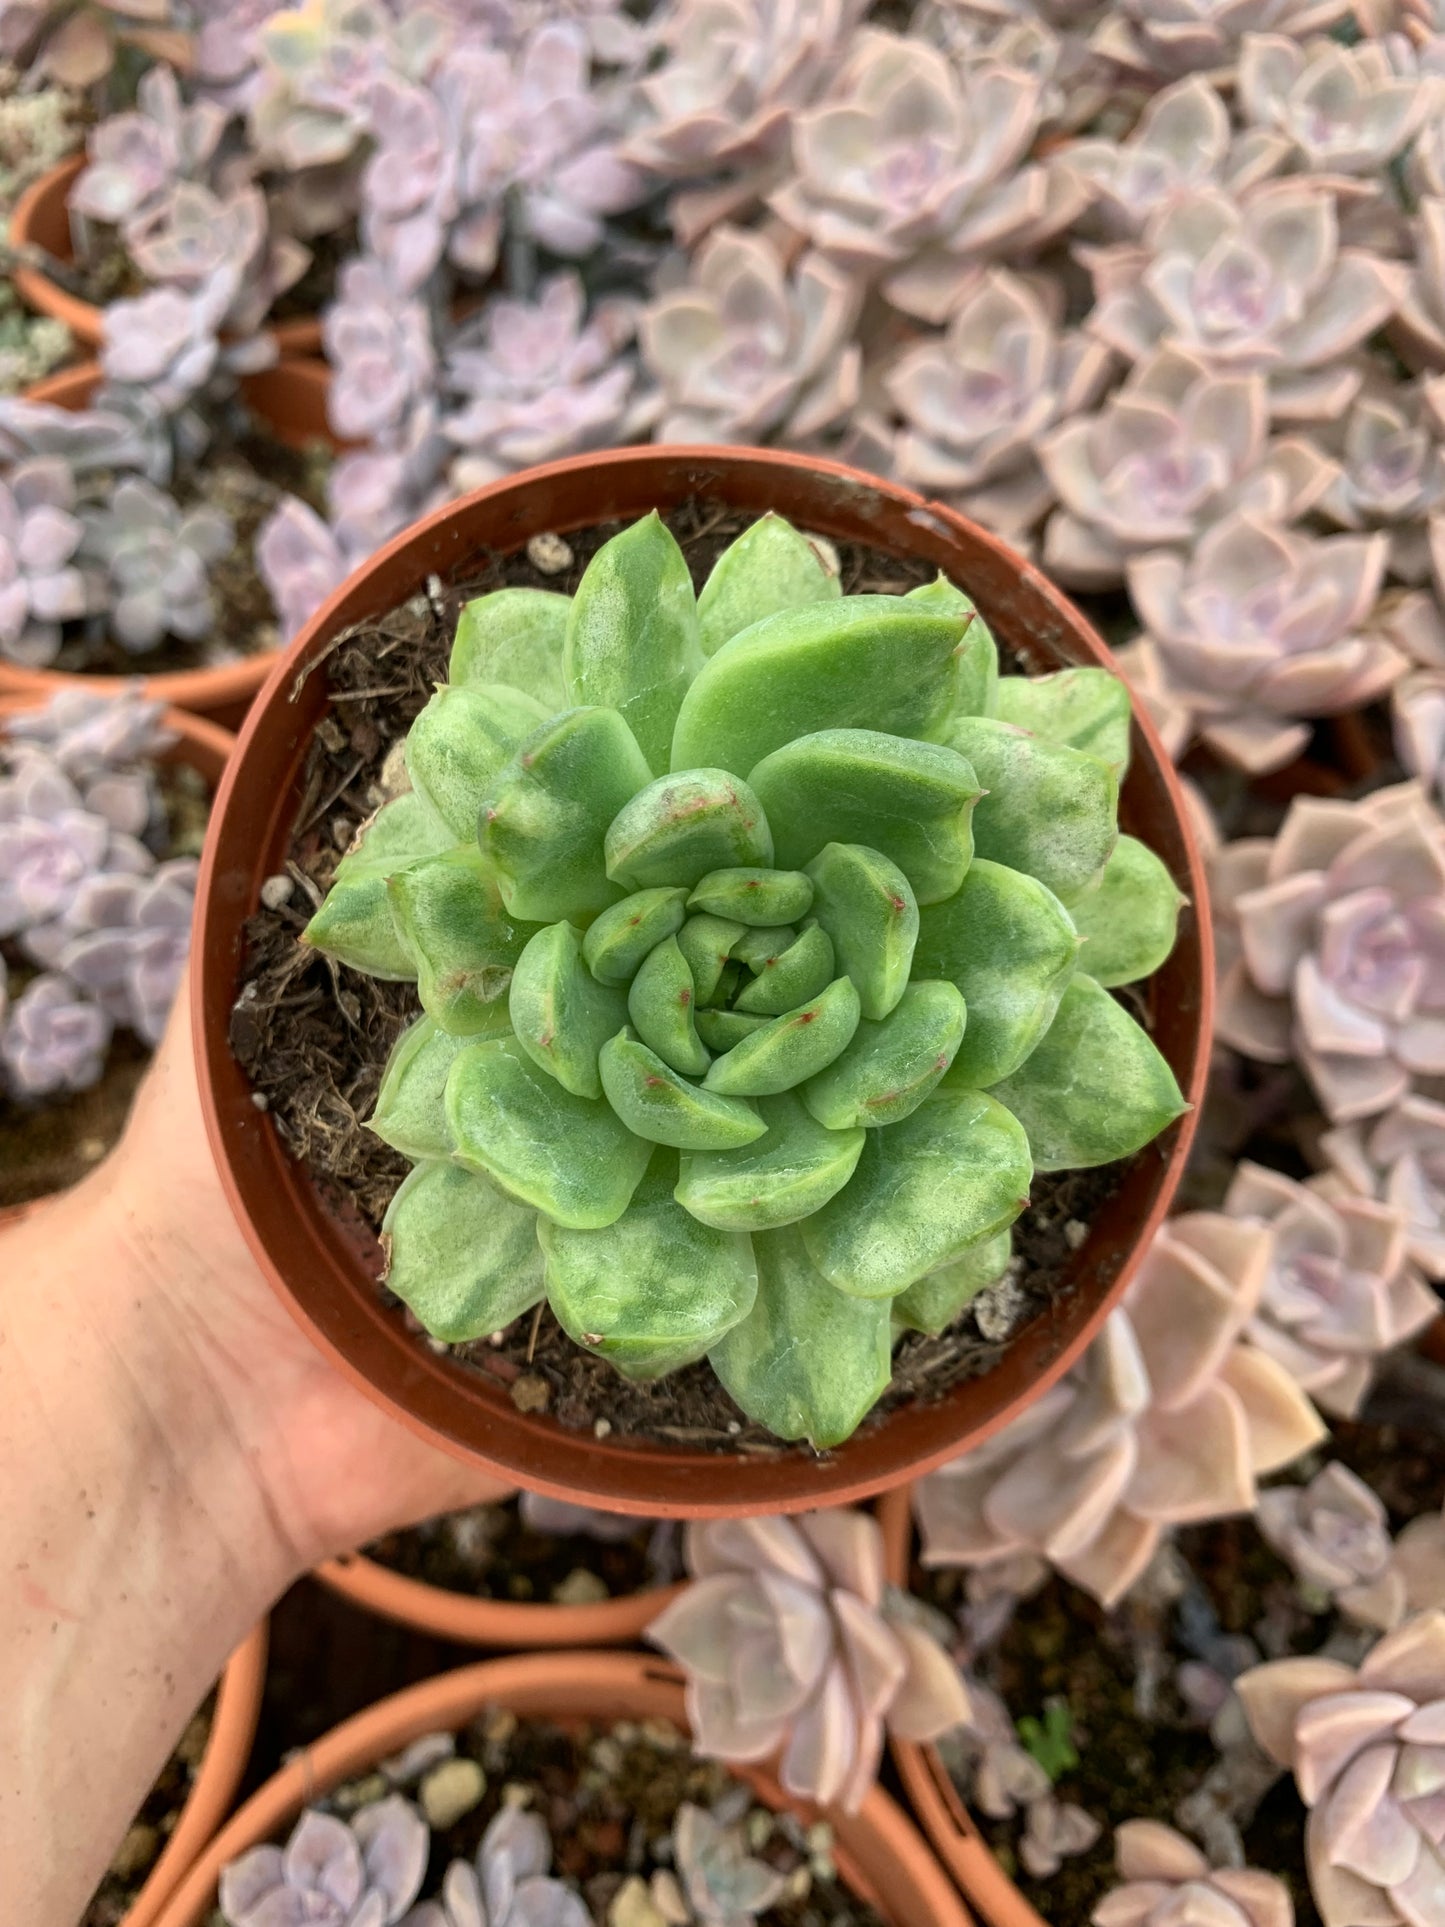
point(491, 1552)
point(152, 1826)
point(314, 1040)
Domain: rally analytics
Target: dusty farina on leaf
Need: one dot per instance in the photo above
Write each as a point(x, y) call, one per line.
point(764, 940)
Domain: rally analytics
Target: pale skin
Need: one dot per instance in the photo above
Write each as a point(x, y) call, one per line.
point(174, 1452)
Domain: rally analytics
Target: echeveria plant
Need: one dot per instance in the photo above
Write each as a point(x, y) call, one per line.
point(764, 941)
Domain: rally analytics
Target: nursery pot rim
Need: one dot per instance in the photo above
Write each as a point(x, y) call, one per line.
point(314, 1261)
point(473, 1621)
point(41, 219)
point(223, 690)
point(881, 1853)
point(926, 1780)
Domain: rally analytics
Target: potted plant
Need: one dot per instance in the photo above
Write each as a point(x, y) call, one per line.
point(289, 402)
point(542, 1698)
point(307, 1234)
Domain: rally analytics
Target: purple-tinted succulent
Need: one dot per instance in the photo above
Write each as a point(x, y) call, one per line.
point(1154, 38)
point(165, 341)
point(560, 1519)
point(84, 439)
point(1335, 1533)
point(317, 66)
point(1400, 1160)
point(51, 844)
point(507, 1885)
point(54, 1039)
point(373, 492)
point(750, 349)
point(158, 556)
point(1176, 449)
point(40, 585)
point(1256, 283)
point(331, 1874)
point(226, 49)
point(532, 380)
point(1392, 471)
point(976, 401)
point(89, 737)
point(76, 46)
point(1420, 326)
point(1258, 627)
point(379, 343)
point(914, 172)
point(1342, 110)
point(125, 943)
point(300, 561)
point(136, 159)
point(1168, 1882)
point(221, 242)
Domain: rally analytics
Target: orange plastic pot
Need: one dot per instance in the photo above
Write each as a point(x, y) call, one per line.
point(233, 1728)
point(927, 1781)
point(291, 399)
point(41, 220)
point(471, 1621)
point(324, 1264)
point(879, 1853)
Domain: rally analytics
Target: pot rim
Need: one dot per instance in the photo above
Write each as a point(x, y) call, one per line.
point(882, 1856)
point(523, 1448)
point(473, 1621)
point(44, 206)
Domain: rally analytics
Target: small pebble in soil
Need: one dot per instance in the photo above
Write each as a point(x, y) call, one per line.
point(277, 891)
point(531, 1394)
point(999, 1308)
point(450, 1791)
point(580, 1588)
point(549, 554)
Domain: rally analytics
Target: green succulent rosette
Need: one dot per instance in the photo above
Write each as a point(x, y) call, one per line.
point(763, 940)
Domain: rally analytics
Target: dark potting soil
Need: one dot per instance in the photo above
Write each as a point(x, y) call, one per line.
point(245, 474)
point(50, 1144)
point(152, 1827)
point(314, 1037)
point(1142, 1750)
point(490, 1552)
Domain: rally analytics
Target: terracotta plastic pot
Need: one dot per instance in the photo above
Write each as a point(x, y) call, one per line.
point(233, 1728)
point(926, 1780)
point(41, 219)
point(879, 1853)
point(324, 1266)
point(291, 399)
point(471, 1621)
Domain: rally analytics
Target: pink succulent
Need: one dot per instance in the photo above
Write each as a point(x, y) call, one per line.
point(1399, 1159)
point(1168, 1882)
point(136, 158)
point(1367, 1750)
point(788, 1646)
point(1334, 935)
point(914, 173)
point(975, 401)
point(1258, 284)
point(40, 584)
point(379, 343)
point(1419, 329)
point(1150, 38)
point(1259, 626)
point(1168, 1419)
point(1335, 1533)
point(1342, 110)
point(1173, 451)
point(1391, 470)
point(749, 349)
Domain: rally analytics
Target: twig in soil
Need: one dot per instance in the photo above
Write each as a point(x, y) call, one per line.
point(536, 1327)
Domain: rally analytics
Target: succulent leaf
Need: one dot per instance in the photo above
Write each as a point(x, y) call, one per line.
point(1095, 1088)
point(706, 942)
point(560, 1014)
point(1010, 947)
point(461, 1253)
point(786, 1175)
point(911, 801)
point(659, 1105)
point(721, 1029)
point(514, 636)
point(758, 898)
point(632, 634)
point(792, 1048)
point(572, 1157)
point(449, 913)
point(754, 950)
point(978, 659)
point(892, 1063)
point(866, 906)
point(681, 827)
point(864, 661)
point(1048, 810)
point(655, 1290)
point(662, 1004)
point(1130, 918)
point(935, 1301)
point(789, 977)
point(770, 567)
point(354, 924)
point(955, 1171)
point(1082, 708)
point(409, 1114)
point(544, 819)
point(807, 1362)
point(460, 741)
point(618, 940)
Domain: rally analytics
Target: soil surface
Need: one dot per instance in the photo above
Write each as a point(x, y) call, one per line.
point(1144, 1751)
point(152, 1827)
point(490, 1552)
point(314, 1037)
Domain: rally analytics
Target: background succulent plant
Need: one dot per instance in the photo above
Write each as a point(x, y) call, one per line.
point(726, 1020)
point(361, 1873)
point(1165, 1878)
